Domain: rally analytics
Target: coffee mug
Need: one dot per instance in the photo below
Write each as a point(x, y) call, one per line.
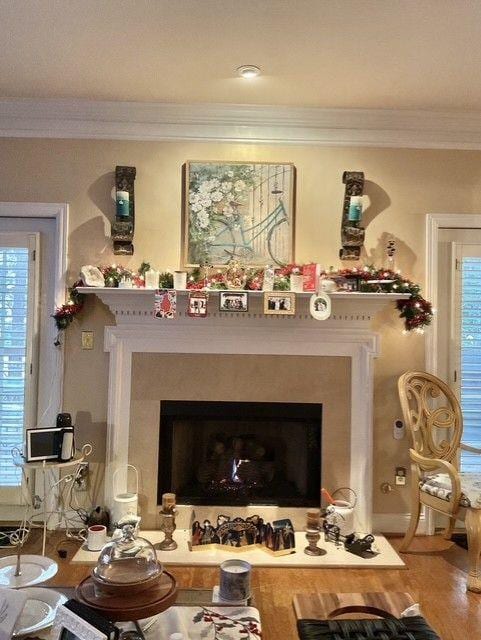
point(96, 537)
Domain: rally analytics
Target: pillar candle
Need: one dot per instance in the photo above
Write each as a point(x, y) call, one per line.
point(313, 518)
point(123, 208)
point(151, 279)
point(168, 502)
point(355, 209)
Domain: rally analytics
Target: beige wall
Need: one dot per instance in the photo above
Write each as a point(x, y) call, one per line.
point(403, 185)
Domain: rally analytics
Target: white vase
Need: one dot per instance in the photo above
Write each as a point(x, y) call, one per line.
point(296, 283)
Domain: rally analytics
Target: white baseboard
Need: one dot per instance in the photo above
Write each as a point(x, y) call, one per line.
point(397, 523)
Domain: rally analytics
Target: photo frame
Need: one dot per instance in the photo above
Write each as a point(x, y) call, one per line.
point(320, 306)
point(43, 443)
point(74, 620)
point(233, 301)
point(197, 304)
point(165, 303)
point(241, 211)
point(279, 303)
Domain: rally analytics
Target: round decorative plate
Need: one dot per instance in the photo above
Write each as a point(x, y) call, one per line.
point(39, 610)
point(33, 570)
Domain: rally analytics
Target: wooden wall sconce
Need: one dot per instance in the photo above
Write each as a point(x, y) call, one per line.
point(124, 224)
point(352, 234)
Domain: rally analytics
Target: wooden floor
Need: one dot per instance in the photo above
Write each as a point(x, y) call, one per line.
point(436, 577)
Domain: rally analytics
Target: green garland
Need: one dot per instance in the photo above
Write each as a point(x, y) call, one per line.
point(415, 311)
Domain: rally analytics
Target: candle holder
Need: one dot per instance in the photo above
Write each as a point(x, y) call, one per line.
point(167, 525)
point(313, 537)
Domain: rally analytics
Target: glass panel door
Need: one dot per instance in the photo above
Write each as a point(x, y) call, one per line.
point(18, 254)
point(466, 311)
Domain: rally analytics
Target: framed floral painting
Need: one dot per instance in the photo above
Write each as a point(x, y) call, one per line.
point(238, 211)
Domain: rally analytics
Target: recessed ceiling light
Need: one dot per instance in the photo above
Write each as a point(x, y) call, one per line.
point(248, 71)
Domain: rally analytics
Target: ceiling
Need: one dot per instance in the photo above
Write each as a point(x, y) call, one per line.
point(381, 54)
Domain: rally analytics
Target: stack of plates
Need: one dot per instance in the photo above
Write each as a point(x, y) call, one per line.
point(41, 605)
point(39, 610)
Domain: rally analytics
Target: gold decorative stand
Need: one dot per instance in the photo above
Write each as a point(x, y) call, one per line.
point(313, 536)
point(168, 526)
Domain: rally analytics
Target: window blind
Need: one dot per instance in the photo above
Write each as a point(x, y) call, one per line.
point(470, 355)
point(14, 265)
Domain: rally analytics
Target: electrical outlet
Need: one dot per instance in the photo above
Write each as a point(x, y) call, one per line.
point(82, 477)
point(400, 476)
point(87, 339)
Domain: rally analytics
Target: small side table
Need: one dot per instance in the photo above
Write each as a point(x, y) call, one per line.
point(62, 492)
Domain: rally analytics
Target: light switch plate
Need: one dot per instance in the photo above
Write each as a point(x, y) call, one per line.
point(87, 339)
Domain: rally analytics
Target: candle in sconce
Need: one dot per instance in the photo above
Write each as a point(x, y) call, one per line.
point(168, 502)
point(355, 209)
point(123, 206)
point(313, 518)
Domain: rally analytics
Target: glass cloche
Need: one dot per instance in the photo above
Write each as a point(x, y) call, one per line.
point(128, 560)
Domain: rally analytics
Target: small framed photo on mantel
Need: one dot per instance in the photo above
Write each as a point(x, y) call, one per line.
point(279, 303)
point(233, 301)
point(197, 306)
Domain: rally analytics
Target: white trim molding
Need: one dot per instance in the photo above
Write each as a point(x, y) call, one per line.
point(435, 222)
point(345, 334)
point(260, 124)
point(398, 523)
point(51, 357)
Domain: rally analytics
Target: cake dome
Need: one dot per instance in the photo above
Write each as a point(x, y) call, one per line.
point(127, 560)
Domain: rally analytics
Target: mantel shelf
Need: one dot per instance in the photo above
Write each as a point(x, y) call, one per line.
point(103, 292)
point(136, 306)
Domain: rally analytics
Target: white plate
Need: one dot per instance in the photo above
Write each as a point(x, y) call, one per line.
point(39, 610)
point(34, 570)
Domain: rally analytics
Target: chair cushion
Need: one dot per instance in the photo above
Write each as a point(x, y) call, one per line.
point(439, 485)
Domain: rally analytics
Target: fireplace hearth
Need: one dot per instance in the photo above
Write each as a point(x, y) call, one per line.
point(240, 453)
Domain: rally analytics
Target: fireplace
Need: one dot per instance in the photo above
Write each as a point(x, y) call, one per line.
point(133, 401)
point(240, 453)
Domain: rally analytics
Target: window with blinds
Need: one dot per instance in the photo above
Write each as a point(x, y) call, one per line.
point(470, 359)
point(14, 296)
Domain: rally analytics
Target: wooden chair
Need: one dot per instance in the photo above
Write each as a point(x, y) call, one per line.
point(433, 416)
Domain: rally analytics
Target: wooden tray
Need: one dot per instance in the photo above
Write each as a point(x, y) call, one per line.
point(136, 607)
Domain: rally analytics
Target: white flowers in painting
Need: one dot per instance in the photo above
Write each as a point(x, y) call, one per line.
point(218, 201)
point(203, 219)
point(216, 197)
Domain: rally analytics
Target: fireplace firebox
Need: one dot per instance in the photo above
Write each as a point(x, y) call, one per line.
point(240, 453)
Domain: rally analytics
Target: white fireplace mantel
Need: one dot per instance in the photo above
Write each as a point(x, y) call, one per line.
point(346, 333)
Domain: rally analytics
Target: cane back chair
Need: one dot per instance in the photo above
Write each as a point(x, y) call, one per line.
point(433, 415)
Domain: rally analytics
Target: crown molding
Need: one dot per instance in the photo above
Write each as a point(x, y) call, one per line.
point(25, 118)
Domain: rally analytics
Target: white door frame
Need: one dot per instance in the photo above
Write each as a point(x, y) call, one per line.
point(51, 357)
point(434, 223)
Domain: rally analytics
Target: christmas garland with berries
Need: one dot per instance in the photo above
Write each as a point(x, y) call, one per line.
point(415, 311)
